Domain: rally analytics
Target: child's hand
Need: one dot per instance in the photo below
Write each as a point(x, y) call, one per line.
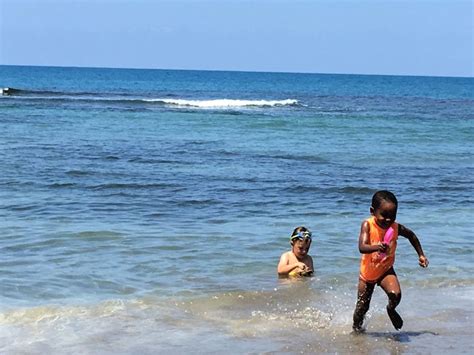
point(382, 247)
point(302, 266)
point(423, 261)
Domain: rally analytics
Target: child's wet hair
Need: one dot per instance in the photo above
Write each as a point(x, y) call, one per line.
point(383, 195)
point(299, 229)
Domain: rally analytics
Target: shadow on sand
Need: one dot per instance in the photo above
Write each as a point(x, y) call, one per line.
point(401, 336)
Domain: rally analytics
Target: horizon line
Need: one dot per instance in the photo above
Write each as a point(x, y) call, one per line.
point(235, 71)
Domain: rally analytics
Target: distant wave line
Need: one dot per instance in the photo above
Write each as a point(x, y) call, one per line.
point(41, 93)
point(175, 102)
point(178, 103)
point(225, 103)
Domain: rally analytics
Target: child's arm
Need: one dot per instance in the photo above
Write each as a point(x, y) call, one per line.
point(310, 267)
point(364, 241)
point(284, 266)
point(408, 233)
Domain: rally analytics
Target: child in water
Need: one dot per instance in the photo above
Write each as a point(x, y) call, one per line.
point(378, 257)
point(297, 262)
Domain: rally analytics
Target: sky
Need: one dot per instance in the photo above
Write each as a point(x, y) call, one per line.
point(395, 37)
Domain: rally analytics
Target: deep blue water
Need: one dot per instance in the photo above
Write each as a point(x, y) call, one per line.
point(153, 187)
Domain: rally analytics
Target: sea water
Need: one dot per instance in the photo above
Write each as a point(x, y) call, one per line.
point(145, 211)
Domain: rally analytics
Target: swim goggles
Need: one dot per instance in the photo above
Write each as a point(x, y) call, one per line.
point(301, 236)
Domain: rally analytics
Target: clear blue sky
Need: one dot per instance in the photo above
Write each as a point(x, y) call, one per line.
point(401, 37)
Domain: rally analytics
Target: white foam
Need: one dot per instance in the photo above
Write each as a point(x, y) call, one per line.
point(225, 103)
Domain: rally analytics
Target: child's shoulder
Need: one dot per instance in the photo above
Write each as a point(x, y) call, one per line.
point(365, 224)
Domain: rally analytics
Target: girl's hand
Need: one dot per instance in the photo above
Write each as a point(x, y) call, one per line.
point(423, 261)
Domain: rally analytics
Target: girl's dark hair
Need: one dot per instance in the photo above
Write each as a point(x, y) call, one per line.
point(383, 195)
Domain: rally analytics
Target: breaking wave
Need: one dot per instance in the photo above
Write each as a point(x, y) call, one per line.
point(118, 98)
point(225, 103)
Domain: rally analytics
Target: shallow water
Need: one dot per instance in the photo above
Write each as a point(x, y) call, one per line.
point(301, 317)
point(132, 223)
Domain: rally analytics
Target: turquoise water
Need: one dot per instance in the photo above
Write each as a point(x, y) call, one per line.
point(146, 210)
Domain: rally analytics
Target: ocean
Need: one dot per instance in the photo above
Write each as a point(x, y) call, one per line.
point(145, 211)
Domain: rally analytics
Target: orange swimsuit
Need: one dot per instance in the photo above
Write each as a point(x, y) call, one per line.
point(374, 265)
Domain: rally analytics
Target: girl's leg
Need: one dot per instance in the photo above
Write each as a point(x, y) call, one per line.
point(364, 295)
point(391, 286)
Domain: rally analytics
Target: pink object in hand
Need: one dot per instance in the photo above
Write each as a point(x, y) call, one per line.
point(386, 240)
